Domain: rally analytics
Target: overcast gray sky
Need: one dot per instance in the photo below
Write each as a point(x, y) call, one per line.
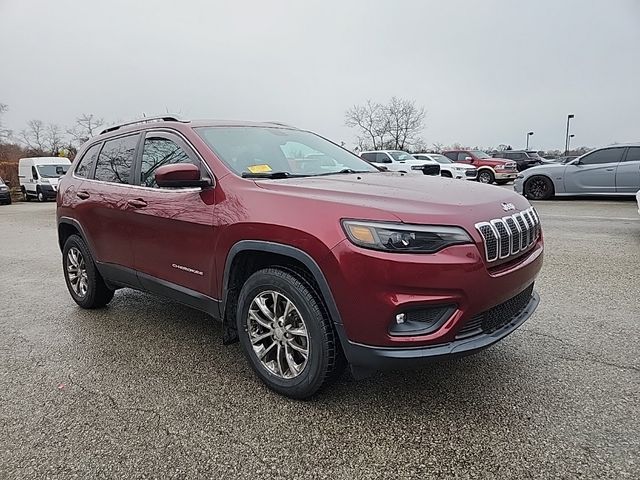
point(486, 71)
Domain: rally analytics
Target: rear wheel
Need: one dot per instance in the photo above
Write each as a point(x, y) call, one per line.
point(539, 188)
point(285, 333)
point(25, 195)
point(85, 284)
point(486, 176)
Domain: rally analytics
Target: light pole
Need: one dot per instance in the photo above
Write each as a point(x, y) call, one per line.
point(528, 135)
point(566, 140)
point(569, 142)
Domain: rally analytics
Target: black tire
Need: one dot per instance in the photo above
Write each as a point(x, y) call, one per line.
point(97, 294)
point(324, 355)
point(502, 182)
point(539, 187)
point(486, 176)
point(446, 174)
point(40, 195)
point(25, 195)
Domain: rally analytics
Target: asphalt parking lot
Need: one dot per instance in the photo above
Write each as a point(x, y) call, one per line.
point(145, 389)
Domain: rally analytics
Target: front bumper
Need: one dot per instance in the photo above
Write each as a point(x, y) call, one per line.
point(518, 186)
point(505, 175)
point(5, 197)
point(49, 191)
point(381, 358)
point(371, 288)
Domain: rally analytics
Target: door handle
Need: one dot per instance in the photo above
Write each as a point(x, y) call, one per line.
point(609, 169)
point(83, 195)
point(137, 203)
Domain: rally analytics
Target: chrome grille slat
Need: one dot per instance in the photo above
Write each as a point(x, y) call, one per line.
point(507, 236)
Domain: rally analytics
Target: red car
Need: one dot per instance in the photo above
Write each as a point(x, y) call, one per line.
point(309, 256)
point(490, 169)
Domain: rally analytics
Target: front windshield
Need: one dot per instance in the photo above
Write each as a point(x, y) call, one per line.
point(52, 171)
point(480, 154)
point(441, 158)
point(399, 156)
point(265, 150)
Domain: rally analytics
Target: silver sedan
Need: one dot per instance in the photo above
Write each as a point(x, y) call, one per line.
point(613, 170)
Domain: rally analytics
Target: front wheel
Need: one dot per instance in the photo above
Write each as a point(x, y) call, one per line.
point(286, 334)
point(40, 195)
point(538, 188)
point(486, 176)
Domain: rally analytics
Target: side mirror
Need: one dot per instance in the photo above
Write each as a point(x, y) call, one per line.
point(180, 175)
point(468, 159)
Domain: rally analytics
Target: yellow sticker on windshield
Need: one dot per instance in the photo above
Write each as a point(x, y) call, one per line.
point(259, 168)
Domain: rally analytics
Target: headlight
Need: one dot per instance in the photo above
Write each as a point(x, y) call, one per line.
point(45, 181)
point(397, 237)
point(417, 167)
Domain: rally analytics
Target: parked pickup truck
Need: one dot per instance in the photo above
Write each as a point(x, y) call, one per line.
point(490, 170)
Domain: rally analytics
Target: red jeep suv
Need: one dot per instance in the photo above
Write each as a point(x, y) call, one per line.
point(309, 256)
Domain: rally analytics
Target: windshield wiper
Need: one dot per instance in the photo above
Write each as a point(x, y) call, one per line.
point(344, 170)
point(270, 175)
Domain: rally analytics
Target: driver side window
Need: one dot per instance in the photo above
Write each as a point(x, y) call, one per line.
point(608, 155)
point(382, 157)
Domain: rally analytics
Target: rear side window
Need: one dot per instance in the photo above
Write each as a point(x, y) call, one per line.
point(115, 160)
point(609, 155)
point(633, 155)
point(87, 160)
point(369, 157)
point(158, 152)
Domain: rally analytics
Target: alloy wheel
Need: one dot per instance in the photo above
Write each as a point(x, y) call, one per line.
point(537, 188)
point(484, 177)
point(278, 334)
point(77, 272)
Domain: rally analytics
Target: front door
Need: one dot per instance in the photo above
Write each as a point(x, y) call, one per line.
point(628, 172)
point(172, 228)
point(595, 173)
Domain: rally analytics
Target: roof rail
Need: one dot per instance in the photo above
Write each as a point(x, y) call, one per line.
point(160, 118)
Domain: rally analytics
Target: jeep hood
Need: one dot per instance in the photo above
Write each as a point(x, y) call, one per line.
point(409, 198)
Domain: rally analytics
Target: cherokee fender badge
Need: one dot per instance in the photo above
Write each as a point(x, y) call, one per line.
point(187, 269)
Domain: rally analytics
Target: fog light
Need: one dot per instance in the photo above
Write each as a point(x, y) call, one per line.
point(421, 320)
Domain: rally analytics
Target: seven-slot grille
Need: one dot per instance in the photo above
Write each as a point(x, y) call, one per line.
point(509, 235)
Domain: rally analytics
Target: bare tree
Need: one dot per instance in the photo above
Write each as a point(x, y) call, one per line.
point(371, 120)
point(405, 122)
point(86, 126)
point(396, 125)
point(34, 136)
point(53, 139)
point(437, 147)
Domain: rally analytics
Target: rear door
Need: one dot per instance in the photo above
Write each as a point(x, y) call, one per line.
point(102, 206)
point(596, 172)
point(172, 228)
point(628, 172)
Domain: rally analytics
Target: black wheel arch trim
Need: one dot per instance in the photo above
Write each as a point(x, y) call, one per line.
point(74, 223)
point(288, 251)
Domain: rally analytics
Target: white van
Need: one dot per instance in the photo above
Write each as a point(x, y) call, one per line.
point(39, 176)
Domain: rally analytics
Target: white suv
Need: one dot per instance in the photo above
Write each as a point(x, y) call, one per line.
point(399, 161)
point(448, 168)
